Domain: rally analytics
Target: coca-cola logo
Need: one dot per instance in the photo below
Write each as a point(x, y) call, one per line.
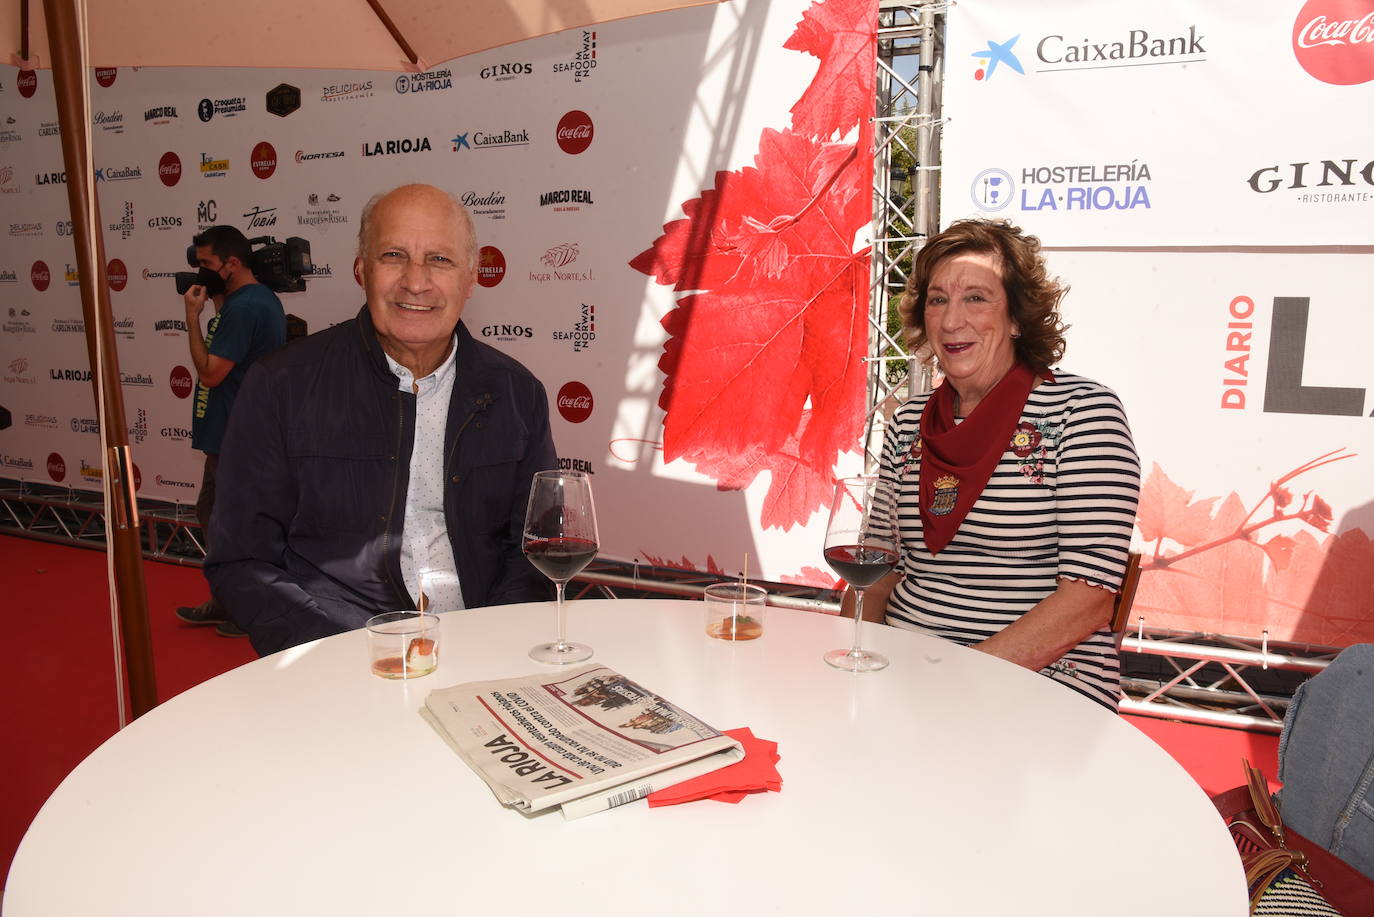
point(575, 402)
point(491, 266)
point(1333, 40)
point(105, 76)
point(169, 168)
point(57, 467)
point(575, 132)
point(28, 83)
point(264, 160)
point(181, 381)
point(40, 275)
point(116, 275)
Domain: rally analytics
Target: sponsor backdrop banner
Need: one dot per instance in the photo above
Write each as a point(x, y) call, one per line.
point(572, 151)
point(1197, 133)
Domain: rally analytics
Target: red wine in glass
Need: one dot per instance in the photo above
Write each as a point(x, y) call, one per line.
point(860, 565)
point(861, 547)
point(560, 539)
point(560, 559)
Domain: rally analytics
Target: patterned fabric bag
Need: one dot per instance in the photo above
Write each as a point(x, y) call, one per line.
point(1288, 875)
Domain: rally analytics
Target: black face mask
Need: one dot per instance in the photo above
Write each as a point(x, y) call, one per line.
point(211, 280)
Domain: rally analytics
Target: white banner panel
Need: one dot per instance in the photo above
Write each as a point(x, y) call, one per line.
point(572, 151)
point(1172, 122)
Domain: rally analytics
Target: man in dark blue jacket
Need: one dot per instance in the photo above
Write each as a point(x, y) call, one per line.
point(387, 455)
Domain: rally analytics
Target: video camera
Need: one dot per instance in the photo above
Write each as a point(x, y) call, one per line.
point(282, 266)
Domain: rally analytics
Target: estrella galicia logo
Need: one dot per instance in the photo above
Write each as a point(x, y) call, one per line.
point(997, 53)
point(992, 190)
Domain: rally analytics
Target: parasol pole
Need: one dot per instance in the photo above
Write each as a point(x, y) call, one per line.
point(71, 81)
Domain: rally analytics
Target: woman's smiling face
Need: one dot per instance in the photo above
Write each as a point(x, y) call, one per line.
point(968, 322)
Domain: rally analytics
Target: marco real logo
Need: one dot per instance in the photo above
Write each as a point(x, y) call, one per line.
point(1333, 40)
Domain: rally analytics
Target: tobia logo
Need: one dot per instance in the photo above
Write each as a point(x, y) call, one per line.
point(1333, 40)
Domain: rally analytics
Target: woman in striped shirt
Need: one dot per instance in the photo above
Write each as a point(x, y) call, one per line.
point(1016, 486)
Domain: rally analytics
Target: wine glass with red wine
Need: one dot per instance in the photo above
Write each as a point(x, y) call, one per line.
point(860, 546)
point(560, 539)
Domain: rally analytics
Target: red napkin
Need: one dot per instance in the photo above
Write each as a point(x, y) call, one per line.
point(756, 773)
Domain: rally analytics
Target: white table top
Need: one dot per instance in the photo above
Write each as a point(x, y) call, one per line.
point(302, 784)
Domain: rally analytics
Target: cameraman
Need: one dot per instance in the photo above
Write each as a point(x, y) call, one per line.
point(248, 322)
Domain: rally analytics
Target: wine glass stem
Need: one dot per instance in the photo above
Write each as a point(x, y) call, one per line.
point(858, 619)
point(562, 630)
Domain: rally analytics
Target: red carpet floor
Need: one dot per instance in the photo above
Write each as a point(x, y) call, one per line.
point(52, 717)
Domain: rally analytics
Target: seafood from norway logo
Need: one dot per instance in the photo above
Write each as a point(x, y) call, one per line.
point(125, 226)
point(491, 266)
point(264, 160)
point(575, 402)
point(139, 431)
point(169, 168)
point(1333, 40)
point(575, 132)
point(583, 331)
point(584, 59)
point(1073, 187)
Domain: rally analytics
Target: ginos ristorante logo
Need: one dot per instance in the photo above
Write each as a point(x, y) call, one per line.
point(116, 275)
point(169, 168)
point(57, 467)
point(574, 132)
point(181, 381)
point(1333, 40)
point(575, 402)
point(28, 83)
point(491, 266)
point(264, 160)
point(40, 275)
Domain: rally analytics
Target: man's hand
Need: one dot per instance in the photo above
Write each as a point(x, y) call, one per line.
point(195, 303)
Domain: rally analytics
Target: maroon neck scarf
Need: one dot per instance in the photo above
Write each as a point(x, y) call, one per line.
point(958, 459)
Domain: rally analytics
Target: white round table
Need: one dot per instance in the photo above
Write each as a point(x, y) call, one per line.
point(950, 783)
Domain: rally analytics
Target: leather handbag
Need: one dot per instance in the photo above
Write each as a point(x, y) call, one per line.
point(1287, 874)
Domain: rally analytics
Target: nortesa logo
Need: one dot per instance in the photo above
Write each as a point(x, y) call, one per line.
point(575, 402)
point(1333, 40)
point(995, 54)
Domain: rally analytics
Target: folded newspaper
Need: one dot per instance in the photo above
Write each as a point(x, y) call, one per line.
point(585, 740)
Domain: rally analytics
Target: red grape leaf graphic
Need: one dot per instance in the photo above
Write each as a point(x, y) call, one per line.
point(814, 577)
point(1168, 511)
point(1280, 551)
point(764, 360)
point(842, 36)
point(684, 564)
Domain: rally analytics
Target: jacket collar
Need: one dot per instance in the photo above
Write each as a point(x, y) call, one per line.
point(473, 383)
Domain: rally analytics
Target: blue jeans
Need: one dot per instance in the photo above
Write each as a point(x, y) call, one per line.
point(1326, 759)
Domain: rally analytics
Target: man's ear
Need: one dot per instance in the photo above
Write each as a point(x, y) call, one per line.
point(358, 270)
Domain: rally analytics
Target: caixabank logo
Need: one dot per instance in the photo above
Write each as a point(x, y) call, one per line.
point(1080, 49)
point(1333, 40)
